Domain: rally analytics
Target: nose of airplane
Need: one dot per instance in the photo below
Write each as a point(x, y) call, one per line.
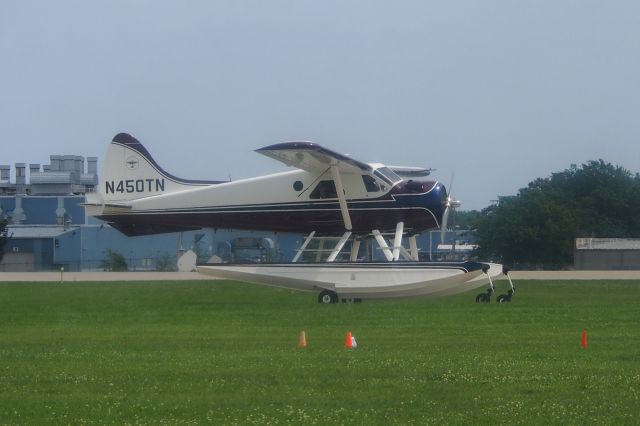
point(433, 198)
point(436, 201)
point(428, 195)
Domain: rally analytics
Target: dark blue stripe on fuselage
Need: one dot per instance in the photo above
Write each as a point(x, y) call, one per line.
point(429, 201)
point(468, 266)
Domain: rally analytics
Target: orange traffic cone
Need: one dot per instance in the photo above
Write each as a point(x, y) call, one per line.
point(584, 339)
point(302, 341)
point(348, 341)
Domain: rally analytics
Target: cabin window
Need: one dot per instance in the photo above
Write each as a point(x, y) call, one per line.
point(387, 175)
point(324, 189)
point(370, 183)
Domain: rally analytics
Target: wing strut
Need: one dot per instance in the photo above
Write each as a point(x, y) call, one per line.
point(413, 245)
point(339, 246)
point(341, 197)
point(397, 241)
point(393, 252)
point(304, 246)
point(355, 248)
point(383, 245)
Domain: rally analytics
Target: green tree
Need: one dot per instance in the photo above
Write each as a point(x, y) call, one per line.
point(114, 261)
point(3, 236)
point(165, 263)
point(538, 226)
point(465, 219)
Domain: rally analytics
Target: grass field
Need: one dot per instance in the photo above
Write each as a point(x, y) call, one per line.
point(226, 353)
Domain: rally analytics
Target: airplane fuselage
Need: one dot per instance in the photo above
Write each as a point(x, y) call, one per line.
point(284, 202)
point(325, 192)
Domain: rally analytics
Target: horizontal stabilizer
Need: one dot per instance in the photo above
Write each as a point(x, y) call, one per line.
point(112, 205)
point(138, 229)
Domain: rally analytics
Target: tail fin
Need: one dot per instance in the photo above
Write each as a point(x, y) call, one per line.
point(130, 173)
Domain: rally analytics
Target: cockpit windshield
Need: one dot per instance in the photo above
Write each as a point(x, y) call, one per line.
point(387, 175)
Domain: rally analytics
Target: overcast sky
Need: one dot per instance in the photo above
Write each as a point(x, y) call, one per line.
point(502, 92)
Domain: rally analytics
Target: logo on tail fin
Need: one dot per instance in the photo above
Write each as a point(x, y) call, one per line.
point(132, 163)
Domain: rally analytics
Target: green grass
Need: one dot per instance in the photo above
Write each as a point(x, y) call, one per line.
point(226, 353)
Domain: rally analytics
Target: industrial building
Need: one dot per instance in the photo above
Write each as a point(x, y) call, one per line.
point(65, 175)
point(607, 254)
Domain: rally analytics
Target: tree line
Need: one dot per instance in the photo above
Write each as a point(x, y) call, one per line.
point(537, 227)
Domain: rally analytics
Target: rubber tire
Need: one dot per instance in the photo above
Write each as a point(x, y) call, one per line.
point(503, 298)
point(327, 296)
point(483, 298)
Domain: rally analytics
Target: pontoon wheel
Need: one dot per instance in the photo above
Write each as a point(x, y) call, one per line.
point(327, 296)
point(483, 298)
point(506, 297)
point(503, 298)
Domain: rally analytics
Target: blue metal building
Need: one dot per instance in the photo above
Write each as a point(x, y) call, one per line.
point(45, 240)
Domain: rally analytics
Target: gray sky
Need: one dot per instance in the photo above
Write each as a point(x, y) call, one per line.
point(502, 92)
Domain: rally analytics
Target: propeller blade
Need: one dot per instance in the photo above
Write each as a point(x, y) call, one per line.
point(451, 204)
point(453, 175)
point(443, 226)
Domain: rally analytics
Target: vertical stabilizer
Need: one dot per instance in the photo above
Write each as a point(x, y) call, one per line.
point(131, 173)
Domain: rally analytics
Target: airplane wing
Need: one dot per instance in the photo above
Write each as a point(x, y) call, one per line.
point(312, 157)
point(406, 172)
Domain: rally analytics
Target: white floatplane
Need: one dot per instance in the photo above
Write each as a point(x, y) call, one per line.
point(329, 197)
